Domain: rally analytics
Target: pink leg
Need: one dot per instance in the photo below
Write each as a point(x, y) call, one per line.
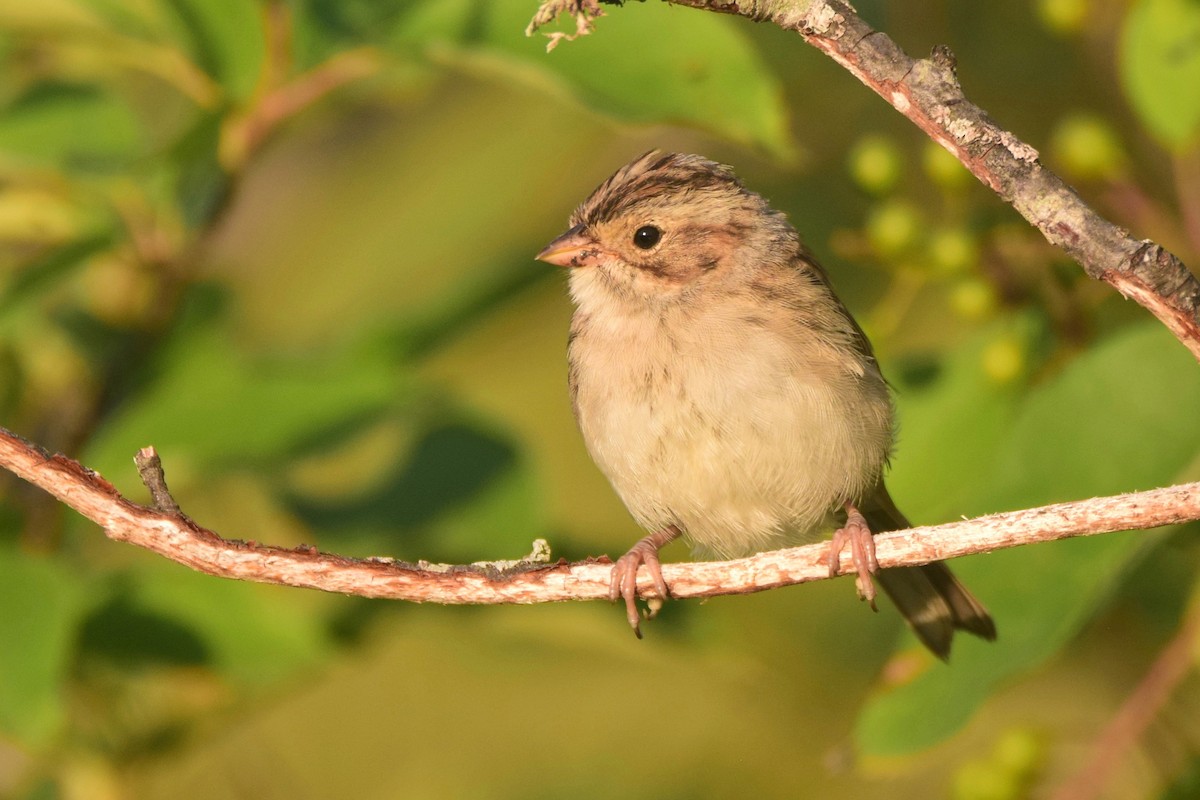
point(624, 573)
point(862, 549)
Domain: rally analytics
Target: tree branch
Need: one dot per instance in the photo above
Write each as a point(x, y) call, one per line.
point(928, 93)
point(1111, 750)
point(175, 536)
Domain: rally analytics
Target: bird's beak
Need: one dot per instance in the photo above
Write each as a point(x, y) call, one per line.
point(573, 249)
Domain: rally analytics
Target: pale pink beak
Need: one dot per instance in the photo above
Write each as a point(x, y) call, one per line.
point(572, 249)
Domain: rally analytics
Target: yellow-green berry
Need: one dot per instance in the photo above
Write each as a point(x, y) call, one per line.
point(1062, 16)
point(1087, 147)
point(1020, 751)
point(893, 227)
point(875, 164)
point(972, 299)
point(983, 780)
point(943, 168)
point(1004, 360)
point(953, 251)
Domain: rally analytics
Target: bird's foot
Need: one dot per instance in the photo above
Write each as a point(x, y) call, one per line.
point(857, 535)
point(624, 573)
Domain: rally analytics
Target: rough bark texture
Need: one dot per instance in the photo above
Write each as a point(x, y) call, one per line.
point(175, 536)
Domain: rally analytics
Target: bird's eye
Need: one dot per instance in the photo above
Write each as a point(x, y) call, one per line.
point(646, 236)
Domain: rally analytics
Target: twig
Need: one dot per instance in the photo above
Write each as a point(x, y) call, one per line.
point(531, 581)
point(151, 470)
point(928, 93)
point(1140, 709)
point(242, 135)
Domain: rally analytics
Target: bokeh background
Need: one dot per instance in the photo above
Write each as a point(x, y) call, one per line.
point(290, 244)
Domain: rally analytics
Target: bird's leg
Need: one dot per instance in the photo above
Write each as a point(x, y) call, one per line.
point(624, 572)
point(862, 549)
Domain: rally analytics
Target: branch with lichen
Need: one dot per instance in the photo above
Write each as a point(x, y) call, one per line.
point(163, 528)
point(928, 93)
point(582, 11)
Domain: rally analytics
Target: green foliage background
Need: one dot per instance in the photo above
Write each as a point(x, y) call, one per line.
point(290, 244)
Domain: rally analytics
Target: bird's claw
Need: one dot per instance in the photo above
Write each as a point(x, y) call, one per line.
point(623, 582)
point(857, 535)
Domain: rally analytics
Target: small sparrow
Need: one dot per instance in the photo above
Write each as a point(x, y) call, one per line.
point(724, 389)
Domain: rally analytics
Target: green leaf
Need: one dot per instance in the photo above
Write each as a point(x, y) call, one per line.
point(460, 494)
point(254, 633)
point(1120, 418)
point(1160, 67)
point(42, 607)
point(218, 405)
point(325, 26)
point(226, 39)
point(952, 428)
point(72, 126)
point(690, 68)
point(47, 272)
point(198, 184)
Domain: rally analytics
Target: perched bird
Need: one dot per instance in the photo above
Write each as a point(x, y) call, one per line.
point(724, 389)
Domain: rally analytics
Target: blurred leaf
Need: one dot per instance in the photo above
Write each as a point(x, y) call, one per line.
point(254, 633)
point(697, 69)
point(325, 26)
point(144, 20)
point(951, 429)
point(1186, 783)
point(199, 185)
point(422, 330)
point(226, 39)
point(131, 636)
point(439, 663)
point(1121, 417)
point(218, 405)
point(461, 493)
point(101, 41)
point(42, 604)
point(1160, 66)
point(655, 63)
point(47, 271)
point(455, 20)
point(50, 16)
point(72, 126)
point(447, 466)
point(500, 521)
point(36, 215)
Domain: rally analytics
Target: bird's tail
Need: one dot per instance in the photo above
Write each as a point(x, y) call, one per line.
point(931, 599)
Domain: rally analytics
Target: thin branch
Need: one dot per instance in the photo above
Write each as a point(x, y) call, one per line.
point(178, 538)
point(242, 135)
point(1137, 713)
point(928, 93)
point(151, 470)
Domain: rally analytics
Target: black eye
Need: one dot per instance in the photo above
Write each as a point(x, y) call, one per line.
point(646, 236)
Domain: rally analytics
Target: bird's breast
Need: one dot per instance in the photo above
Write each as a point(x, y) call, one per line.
point(724, 428)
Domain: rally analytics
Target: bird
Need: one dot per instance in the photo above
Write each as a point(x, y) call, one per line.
point(725, 390)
